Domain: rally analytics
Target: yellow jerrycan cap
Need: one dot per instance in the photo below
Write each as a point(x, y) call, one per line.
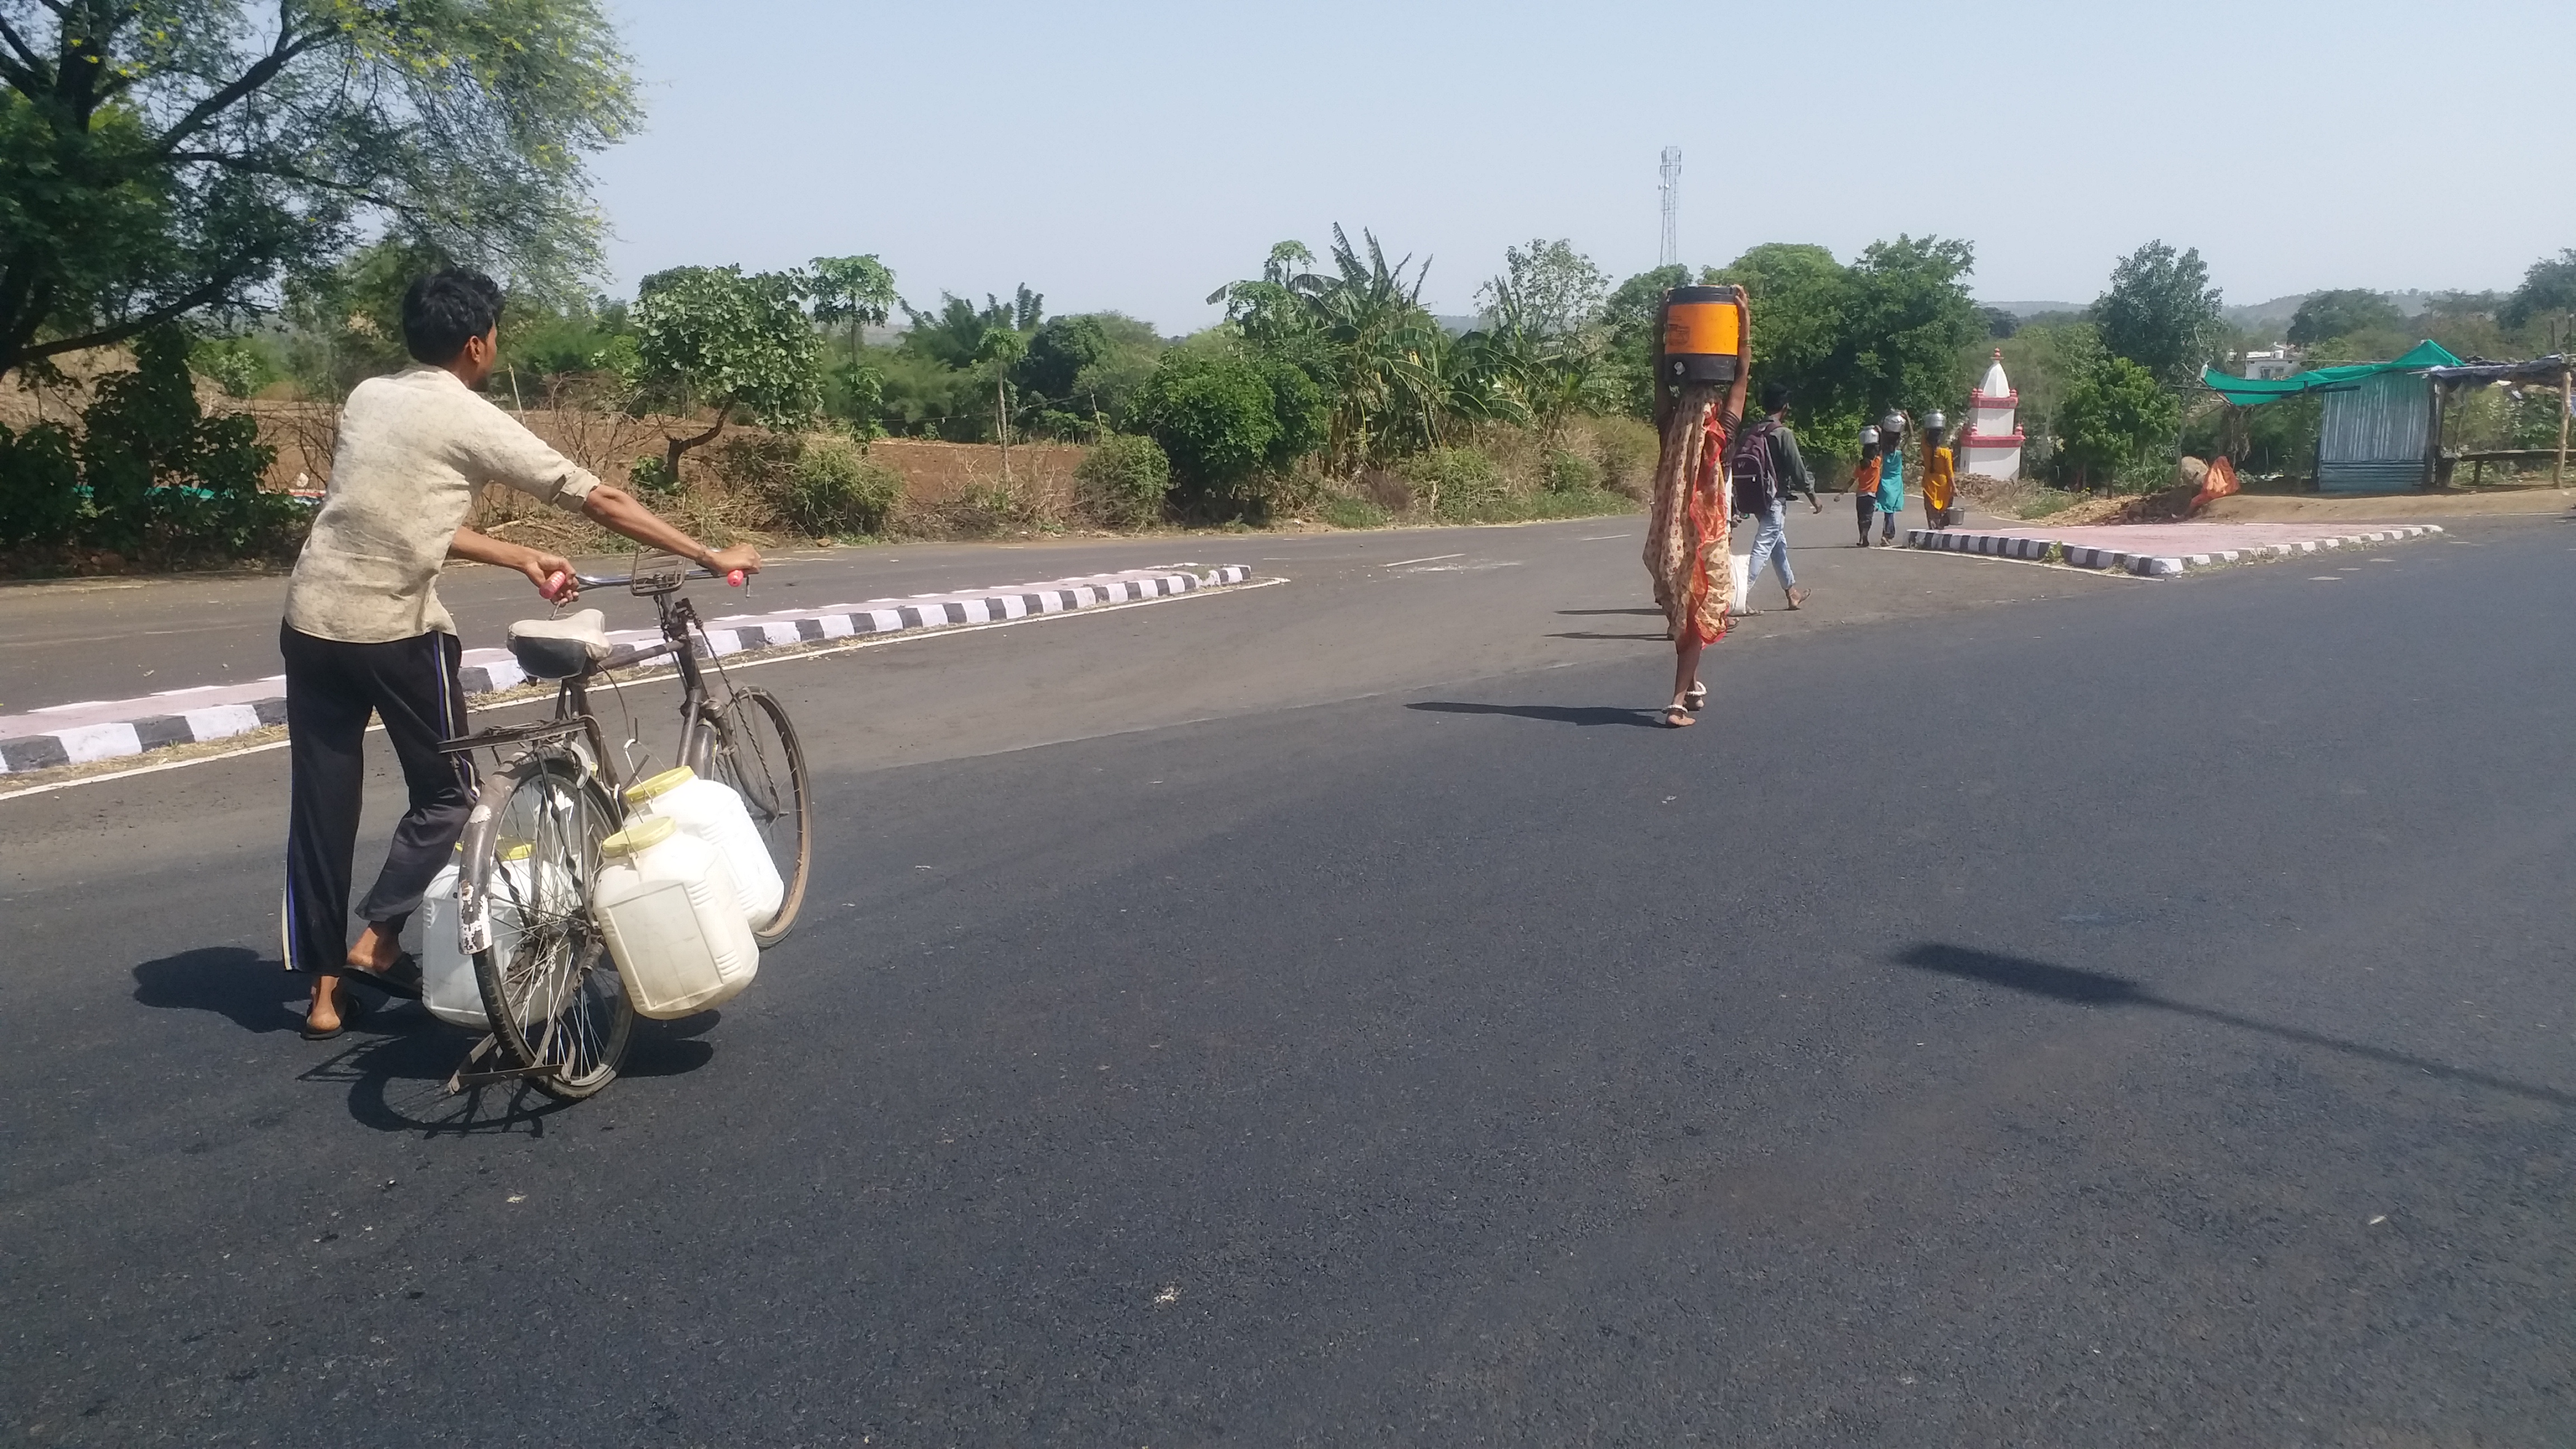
point(658, 785)
point(642, 835)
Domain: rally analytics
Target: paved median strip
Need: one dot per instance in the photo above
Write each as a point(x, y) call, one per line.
point(94, 730)
point(2158, 559)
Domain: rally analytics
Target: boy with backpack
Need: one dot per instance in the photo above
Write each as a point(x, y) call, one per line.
point(1766, 469)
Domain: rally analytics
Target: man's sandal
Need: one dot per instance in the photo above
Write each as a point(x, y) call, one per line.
point(352, 1009)
point(401, 979)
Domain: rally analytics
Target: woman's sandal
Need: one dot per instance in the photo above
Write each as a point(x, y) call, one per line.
point(1676, 717)
point(1697, 699)
point(352, 1009)
point(401, 979)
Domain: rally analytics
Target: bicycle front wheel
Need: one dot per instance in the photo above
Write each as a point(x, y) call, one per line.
point(755, 752)
point(557, 1005)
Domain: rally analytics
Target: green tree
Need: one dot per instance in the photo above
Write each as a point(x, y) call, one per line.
point(1540, 357)
point(1001, 350)
point(2044, 359)
point(1058, 352)
point(1107, 385)
point(2115, 416)
point(1909, 325)
point(2329, 315)
point(1381, 353)
point(730, 342)
point(2160, 313)
point(1359, 332)
point(857, 291)
point(175, 157)
point(2548, 290)
point(1803, 303)
point(954, 335)
point(1549, 289)
point(1630, 316)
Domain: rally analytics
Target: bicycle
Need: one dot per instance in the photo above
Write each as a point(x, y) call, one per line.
point(559, 1016)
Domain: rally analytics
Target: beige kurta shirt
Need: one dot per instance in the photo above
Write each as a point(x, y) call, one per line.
point(414, 450)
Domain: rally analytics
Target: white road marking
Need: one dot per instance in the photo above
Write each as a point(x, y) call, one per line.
point(1435, 558)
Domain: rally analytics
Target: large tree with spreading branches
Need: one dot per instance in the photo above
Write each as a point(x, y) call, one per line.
point(167, 158)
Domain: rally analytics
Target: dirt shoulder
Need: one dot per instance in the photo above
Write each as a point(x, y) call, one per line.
point(2315, 508)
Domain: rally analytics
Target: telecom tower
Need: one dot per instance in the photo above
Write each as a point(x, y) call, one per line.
point(1671, 252)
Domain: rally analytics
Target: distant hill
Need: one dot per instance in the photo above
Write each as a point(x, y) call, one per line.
point(2034, 309)
point(2275, 314)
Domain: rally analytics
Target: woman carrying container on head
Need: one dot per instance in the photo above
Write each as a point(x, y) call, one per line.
point(1891, 475)
point(1865, 484)
point(1686, 551)
point(1939, 492)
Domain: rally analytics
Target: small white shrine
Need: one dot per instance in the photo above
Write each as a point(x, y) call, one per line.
point(1992, 444)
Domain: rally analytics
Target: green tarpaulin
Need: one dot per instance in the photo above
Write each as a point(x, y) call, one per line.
point(2246, 392)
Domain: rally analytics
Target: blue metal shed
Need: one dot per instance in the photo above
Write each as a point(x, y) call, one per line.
point(2377, 432)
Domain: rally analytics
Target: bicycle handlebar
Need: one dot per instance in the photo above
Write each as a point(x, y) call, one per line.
point(554, 585)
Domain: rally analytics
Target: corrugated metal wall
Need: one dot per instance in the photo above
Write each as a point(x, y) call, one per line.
point(2374, 438)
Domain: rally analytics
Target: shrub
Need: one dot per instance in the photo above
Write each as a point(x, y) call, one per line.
point(1223, 420)
point(1217, 422)
point(39, 486)
point(1354, 513)
point(240, 366)
point(1123, 480)
point(652, 477)
point(1565, 471)
point(832, 488)
point(1626, 449)
point(1452, 482)
point(151, 475)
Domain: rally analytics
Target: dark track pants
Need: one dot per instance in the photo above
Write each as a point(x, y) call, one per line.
point(331, 689)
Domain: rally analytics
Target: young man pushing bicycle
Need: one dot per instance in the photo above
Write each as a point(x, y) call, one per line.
point(364, 633)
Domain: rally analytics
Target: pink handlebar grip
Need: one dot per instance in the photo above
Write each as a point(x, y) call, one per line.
point(734, 579)
point(554, 585)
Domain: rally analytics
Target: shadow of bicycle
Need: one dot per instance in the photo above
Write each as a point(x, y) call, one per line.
point(396, 1060)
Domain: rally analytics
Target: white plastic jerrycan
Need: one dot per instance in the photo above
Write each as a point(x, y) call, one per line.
point(711, 811)
point(665, 903)
point(447, 973)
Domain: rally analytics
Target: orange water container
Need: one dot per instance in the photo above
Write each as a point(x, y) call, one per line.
point(1703, 327)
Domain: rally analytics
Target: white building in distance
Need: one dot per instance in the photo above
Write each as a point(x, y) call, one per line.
point(2270, 364)
point(1992, 445)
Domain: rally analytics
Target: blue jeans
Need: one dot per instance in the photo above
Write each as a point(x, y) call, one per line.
point(1771, 542)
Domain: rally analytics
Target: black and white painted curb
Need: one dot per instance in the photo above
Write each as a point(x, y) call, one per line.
point(73, 734)
point(2145, 565)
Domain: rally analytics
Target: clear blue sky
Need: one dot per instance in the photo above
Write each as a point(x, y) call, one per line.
point(1133, 157)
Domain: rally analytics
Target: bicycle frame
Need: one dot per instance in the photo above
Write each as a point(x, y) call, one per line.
point(573, 721)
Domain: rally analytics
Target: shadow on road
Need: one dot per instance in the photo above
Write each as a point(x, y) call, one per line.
point(233, 982)
point(1585, 634)
point(1553, 714)
point(2097, 988)
point(395, 1060)
point(1641, 613)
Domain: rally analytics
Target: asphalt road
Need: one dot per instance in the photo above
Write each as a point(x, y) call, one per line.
point(2047, 1010)
point(82, 639)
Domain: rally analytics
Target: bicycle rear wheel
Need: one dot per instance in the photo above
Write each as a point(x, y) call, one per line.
point(553, 994)
point(755, 751)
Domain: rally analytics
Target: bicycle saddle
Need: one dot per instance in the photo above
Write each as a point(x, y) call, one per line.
point(562, 648)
